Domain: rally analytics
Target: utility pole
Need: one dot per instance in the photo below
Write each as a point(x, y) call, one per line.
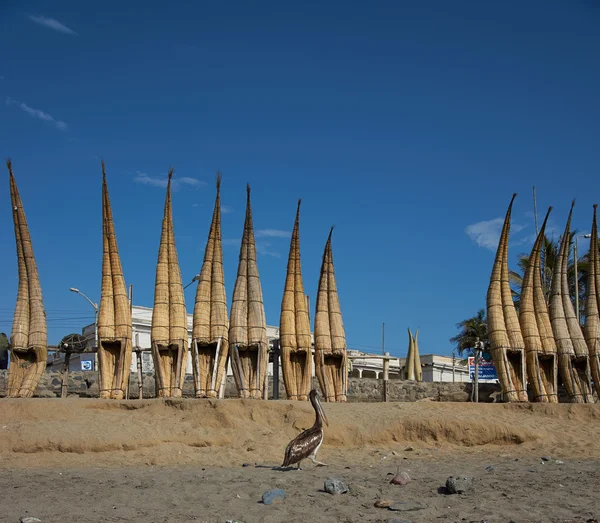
point(383, 339)
point(478, 345)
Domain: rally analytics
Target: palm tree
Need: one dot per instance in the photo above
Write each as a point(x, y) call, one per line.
point(471, 329)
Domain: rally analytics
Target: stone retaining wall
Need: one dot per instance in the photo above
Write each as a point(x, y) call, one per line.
point(85, 384)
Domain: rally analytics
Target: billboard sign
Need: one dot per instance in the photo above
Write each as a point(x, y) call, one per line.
point(487, 369)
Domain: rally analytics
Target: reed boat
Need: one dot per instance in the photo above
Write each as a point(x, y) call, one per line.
point(592, 307)
point(409, 365)
point(573, 360)
point(294, 326)
point(504, 332)
point(210, 346)
point(540, 346)
point(417, 358)
point(29, 336)
point(114, 314)
point(169, 335)
point(248, 347)
point(331, 357)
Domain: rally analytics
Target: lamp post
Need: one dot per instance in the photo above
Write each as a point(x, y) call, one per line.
point(575, 256)
point(95, 305)
point(195, 278)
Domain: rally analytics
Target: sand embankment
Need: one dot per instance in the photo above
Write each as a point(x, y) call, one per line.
point(82, 432)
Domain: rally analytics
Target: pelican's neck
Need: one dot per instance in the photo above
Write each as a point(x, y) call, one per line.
point(318, 421)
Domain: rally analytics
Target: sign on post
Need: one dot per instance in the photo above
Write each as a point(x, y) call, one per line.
point(487, 369)
point(86, 365)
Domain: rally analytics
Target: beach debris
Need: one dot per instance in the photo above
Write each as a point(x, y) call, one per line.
point(30, 520)
point(401, 478)
point(559, 462)
point(459, 484)
point(245, 464)
point(335, 486)
point(490, 468)
point(383, 503)
point(407, 506)
point(546, 458)
point(272, 497)
point(409, 449)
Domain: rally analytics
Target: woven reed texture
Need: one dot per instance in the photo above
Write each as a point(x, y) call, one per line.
point(248, 347)
point(534, 318)
point(592, 310)
point(294, 325)
point(417, 358)
point(114, 314)
point(409, 364)
point(504, 331)
point(169, 333)
point(568, 334)
point(211, 322)
point(331, 359)
point(29, 336)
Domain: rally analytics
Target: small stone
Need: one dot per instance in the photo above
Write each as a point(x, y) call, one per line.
point(546, 458)
point(559, 462)
point(409, 449)
point(394, 453)
point(396, 520)
point(532, 470)
point(335, 486)
point(30, 520)
point(245, 464)
point(272, 497)
point(402, 478)
point(383, 503)
point(250, 449)
point(490, 468)
point(459, 484)
point(407, 506)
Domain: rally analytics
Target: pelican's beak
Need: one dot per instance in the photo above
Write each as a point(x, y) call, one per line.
point(322, 413)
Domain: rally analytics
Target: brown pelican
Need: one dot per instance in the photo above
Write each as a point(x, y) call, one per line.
point(307, 443)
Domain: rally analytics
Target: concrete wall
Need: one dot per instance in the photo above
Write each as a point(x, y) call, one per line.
point(84, 384)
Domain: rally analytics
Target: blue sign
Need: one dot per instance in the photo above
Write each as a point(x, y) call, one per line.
point(87, 365)
point(487, 369)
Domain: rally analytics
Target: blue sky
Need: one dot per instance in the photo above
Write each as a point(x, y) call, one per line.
point(407, 124)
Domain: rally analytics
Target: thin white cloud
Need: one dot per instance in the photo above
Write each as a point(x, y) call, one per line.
point(262, 248)
point(226, 209)
point(53, 24)
point(487, 233)
point(176, 183)
point(272, 233)
point(38, 114)
point(195, 205)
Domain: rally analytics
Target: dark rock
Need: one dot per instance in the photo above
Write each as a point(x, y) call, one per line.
point(459, 484)
point(407, 506)
point(271, 497)
point(546, 458)
point(402, 478)
point(245, 464)
point(490, 468)
point(335, 486)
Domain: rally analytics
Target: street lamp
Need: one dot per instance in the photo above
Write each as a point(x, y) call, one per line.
point(576, 274)
point(73, 289)
point(195, 278)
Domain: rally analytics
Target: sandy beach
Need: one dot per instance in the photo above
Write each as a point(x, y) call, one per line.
point(208, 460)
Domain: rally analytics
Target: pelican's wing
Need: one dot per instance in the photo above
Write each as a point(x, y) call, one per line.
point(302, 446)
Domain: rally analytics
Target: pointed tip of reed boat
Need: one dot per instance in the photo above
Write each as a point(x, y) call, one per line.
point(9, 165)
point(171, 170)
point(103, 171)
point(218, 180)
point(248, 190)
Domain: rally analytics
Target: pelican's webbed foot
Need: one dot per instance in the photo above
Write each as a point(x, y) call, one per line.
point(317, 463)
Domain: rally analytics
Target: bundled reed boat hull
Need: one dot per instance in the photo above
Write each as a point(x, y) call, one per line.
point(573, 360)
point(114, 314)
point(210, 345)
point(504, 332)
point(540, 346)
point(592, 309)
point(331, 357)
point(169, 318)
point(248, 348)
point(294, 330)
point(28, 340)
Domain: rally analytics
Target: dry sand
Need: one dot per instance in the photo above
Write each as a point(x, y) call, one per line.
point(90, 460)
